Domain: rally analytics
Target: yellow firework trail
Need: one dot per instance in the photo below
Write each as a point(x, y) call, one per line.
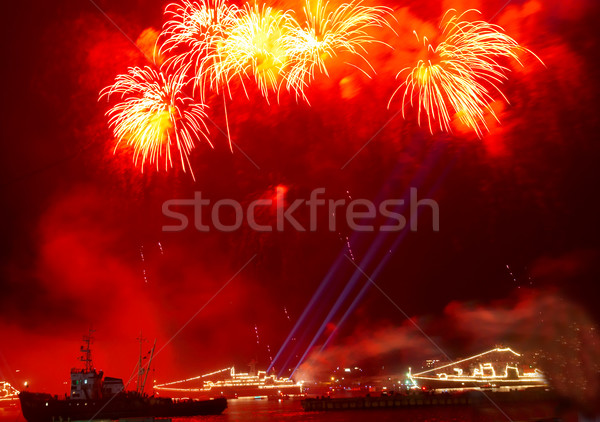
point(328, 31)
point(252, 49)
point(192, 33)
point(462, 75)
point(155, 118)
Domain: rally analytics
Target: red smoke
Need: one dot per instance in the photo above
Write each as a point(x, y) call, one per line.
point(534, 321)
point(545, 322)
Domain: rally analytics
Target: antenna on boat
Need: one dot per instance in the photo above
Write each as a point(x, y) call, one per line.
point(141, 339)
point(147, 369)
point(86, 358)
point(143, 370)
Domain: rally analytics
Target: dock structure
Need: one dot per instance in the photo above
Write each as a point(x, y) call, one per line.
point(357, 403)
point(471, 398)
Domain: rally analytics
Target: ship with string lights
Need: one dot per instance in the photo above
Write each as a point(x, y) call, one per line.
point(94, 396)
point(231, 384)
point(496, 368)
point(9, 397)
point(478, 382)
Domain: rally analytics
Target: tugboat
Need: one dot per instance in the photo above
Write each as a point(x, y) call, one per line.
point(94, 396)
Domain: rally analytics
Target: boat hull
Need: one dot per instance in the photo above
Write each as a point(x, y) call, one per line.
point(38, 407)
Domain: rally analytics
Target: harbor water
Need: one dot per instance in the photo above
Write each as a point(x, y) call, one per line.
point(262, 410)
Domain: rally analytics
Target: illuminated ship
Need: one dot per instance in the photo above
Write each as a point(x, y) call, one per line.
point(229, 383)
point(94, 396)
point(9, 396)
point(496, 368)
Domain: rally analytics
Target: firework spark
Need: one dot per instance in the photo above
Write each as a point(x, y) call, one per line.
point(325, 34)
point(155, 116)
point(192, 33)
point(253, 48)
point(462, 73)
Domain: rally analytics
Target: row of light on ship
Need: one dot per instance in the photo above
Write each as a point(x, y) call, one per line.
point(238, 380)
point(480, 373)
point(498, 349)
point(484, 373)
point(191, 379)
point(8, 392)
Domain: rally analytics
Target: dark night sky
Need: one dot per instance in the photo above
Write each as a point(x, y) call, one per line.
point(76, 216)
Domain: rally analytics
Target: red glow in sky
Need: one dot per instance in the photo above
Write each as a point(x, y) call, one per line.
point(82, 240)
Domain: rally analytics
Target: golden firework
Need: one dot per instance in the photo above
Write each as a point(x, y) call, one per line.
point(192, 33)
point(328, 31)
point(155, 117)
point(462, 75)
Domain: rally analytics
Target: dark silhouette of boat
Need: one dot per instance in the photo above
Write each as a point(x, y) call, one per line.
point(40, 407)
point(94, 396)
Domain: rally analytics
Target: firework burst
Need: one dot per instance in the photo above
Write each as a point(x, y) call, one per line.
point(155, 118)
point(253, 48)
point(325, 34)
point(462, 75)
point(192, 33)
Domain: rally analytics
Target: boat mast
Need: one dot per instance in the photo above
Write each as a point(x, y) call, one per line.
point(141, 339)
point(147, 370)
point(86, 358)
